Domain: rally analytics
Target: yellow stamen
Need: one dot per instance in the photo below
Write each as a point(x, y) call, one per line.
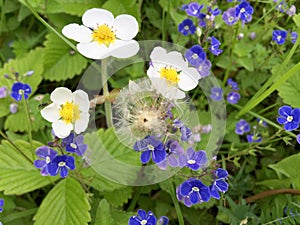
point(69, 112)
point(104, 35)
point(170, 74)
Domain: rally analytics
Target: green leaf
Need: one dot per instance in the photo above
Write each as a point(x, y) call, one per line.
point(289, 91)
point(4, 106)
point(121, 217)
point(103, 216)
point(66, 204)
point(32, 61)
point(78, 7)
point(296, 19)
point(17, 174)
point(119, 197)
point(61, 62)
point(246, 62)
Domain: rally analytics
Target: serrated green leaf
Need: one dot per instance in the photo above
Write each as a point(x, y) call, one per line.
point(4, 106)
point(246, 62)
point(118, 197)
point(103, 216)
point(78, 7)
point(61, 62)
point(296, 19)
point(121, 217)
point(289, 91)
point(17, 174)
point(32, 61)
point(66, 204)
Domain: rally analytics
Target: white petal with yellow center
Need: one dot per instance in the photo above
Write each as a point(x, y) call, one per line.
point(61, 95)
point(93, 50)
point(92, 18)
point(62, 129)
point(81, 99)
point(124, 49)
point(51, 112)
point(126, 27)
point(78, 33)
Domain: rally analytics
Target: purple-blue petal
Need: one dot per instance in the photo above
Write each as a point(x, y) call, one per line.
point(221, 185)
point(214, 192)
point(185, 188)
point(285, 110)
point(134, 221)
point(40, 163)
point(63, 172)
point(142, 213)
point(205, 194)
point(158, 156)
point(70, 162)
point(194, 197)
point(145, 156)
point(221, 173)
point(291, 126)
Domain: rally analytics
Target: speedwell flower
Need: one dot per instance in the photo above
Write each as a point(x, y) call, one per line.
point(193, 160)
point(233, 97)
point(69, 111)
point(102, 35)
point(19, 89)
point(143, 218)
point(279, 36)
point(47, 154)
point(289, 117)
point(74, 144)
point(61, 164)
point(242, 127)
point(1, 204)
point(187, 27)
point(170, 74)
point(219, 185)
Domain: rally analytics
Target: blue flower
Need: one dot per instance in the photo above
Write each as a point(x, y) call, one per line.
point(291, 11)
point(233, 97)
point(215, 12)
point(289, 117)
point(174, 150)
point(229, 17)
point(294, 37)
point(193, 9)
point(214, 47)
point(163, 220)
point(185, 199)
point(279, 36)
point(298, 138)
point(219, 185)
point(18, 89)
point(143, 218)
point(244, 11)
point(232, 84)
point(47, 154)
point(282, 6)
point(255, 137)
point(186, 133)
point(187, 27)
point(242, 127)
point(193, 160)
point(1, 204)
point(61, 164)
point(74, 144)
point(204, 68)
point(151, 146)
point(202, 22)
point(195, 55)
point(195, 190)
point(216, 93)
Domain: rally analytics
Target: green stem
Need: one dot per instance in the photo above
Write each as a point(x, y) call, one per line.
point(107, 104)
point(175, 201)
point(28, 124)
point(134, 200)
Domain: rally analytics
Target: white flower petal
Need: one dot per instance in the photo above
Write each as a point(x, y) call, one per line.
point(81, 98)
point(152, 72)
point(126, 27)
point(187, 80)
point(175, 59)
point(124, 49)
point(166, 89)
point(61, 95)
point(158, 53)
point(51, 112)
point(82, 124)
point(94, 17)
point(93, 50)
point(62, 129)
point(78, 33)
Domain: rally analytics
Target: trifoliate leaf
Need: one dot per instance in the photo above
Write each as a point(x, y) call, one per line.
point(66, 204)
point(61, 62)
point(17, 174)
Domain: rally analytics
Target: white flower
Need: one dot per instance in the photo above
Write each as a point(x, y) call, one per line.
point(170, 74)
point(69, 111)
point(102, 35)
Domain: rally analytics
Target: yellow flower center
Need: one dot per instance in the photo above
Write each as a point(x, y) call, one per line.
point(104, 35)
point(170, 74)
point(69, 112)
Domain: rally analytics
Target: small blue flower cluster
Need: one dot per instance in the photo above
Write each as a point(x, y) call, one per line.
point(243, 11)
point(284, 8)
point(147, 219)
point(51, 163)
point(243, 127)
point(194, 191)
point(233, 97)
point(279, 36)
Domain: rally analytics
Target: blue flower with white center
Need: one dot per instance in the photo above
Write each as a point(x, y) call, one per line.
point(294, 36)
point(229, 17)
point(19, 89)
point(214, 47)
point(74, 144)
point(47, 154)
point(204, 68)
point(195, 55)
point(216, 93)
point(219, 185)
point(242, 127)
point(150, 146)
point(187, 27)
point(279, 36)
point(163, 220)
point(195, 190)
point(232, 84)
point(143, 218)
point(1, 205)
point(244, 11)
point(61, 164)
point(193, 160)
point(194, 9)
point(174, 150)
point(289, 117)
point(255, 137)
point(233, 97)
